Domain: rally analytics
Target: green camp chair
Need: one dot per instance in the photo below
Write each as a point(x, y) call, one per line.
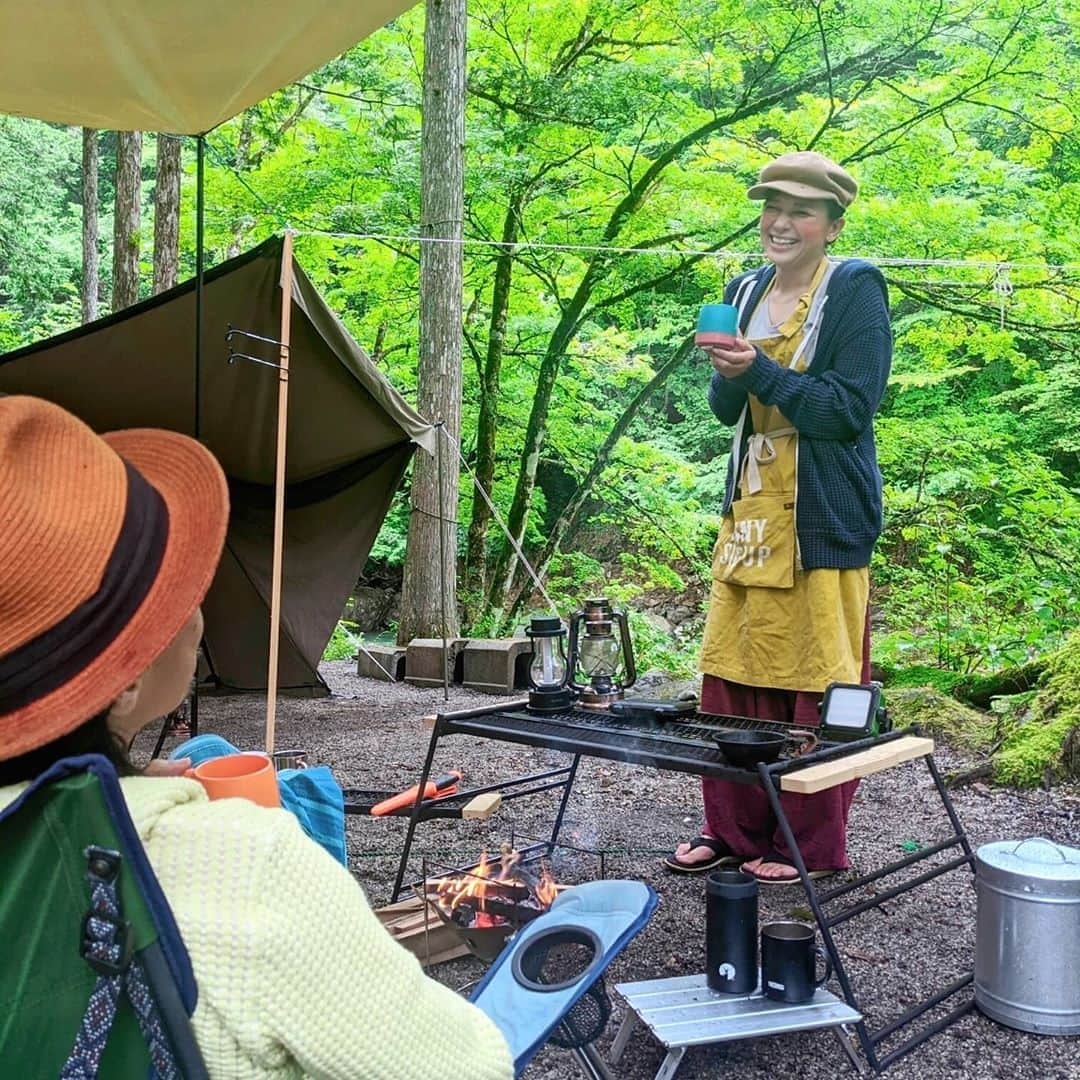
point(95, 977)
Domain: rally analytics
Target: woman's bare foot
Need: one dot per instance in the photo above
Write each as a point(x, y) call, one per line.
point(774, 868)
point(771, 871)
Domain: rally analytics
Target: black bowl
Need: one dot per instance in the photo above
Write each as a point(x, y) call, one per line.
point(746, 748)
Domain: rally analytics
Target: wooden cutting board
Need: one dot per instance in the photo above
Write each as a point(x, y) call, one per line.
point(828, 774)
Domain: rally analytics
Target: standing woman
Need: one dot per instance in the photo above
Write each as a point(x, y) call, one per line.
point(788, 611)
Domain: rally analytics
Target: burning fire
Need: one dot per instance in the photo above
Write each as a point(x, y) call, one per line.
point(478, 899)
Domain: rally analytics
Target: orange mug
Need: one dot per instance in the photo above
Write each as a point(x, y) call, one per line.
point(248, 775)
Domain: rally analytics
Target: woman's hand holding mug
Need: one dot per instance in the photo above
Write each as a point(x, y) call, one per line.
point(732, 360)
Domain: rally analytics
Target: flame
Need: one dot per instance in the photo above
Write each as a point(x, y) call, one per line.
point(547, 890)
point(462, 887)
point(472, 887)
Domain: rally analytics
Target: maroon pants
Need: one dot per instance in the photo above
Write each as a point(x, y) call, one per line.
point(739, 815)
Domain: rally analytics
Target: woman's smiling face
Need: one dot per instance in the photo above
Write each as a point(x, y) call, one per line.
point(795, 232)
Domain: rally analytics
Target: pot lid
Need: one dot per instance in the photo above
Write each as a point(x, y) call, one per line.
point(1033, 859)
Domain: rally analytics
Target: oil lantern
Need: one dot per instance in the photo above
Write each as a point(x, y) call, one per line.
point(601, 664)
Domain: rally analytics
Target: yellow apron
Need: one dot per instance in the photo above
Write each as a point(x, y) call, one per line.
point(770, 623)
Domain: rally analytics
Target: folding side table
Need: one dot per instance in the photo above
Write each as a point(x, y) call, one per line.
point(683, 1012)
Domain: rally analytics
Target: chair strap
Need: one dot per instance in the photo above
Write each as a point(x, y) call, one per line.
point(107, 948)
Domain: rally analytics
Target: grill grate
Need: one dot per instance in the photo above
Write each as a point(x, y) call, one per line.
point(685, 744)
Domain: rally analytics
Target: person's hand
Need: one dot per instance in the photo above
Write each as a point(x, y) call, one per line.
point(166, 767)
point(732, 361)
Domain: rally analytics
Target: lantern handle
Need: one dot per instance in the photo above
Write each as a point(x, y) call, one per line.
point(572, 652)
point(627, 647)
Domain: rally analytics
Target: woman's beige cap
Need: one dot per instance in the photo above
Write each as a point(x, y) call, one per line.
point(806, 174)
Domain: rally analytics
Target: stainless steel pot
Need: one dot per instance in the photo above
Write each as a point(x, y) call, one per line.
point(1027, 938)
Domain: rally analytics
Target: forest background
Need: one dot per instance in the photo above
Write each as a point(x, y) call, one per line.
point(609, 145)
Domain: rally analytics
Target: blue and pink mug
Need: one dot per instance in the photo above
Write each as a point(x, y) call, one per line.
point(718, 324)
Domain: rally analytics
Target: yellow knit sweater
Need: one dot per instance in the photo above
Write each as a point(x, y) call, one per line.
point(296, 976)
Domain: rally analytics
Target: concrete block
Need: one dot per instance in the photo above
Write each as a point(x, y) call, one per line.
point(383, 662)
point(424, 661)
point(497, 665)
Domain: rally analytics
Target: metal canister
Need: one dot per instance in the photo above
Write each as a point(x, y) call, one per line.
point(1027, 939)
point(731, 932)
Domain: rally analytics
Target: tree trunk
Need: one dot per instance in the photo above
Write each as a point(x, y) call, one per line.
point(429, 585)
point(127, 219)
point(487, 422)
point(535, 432)
point(167, 213)
point(567, 520)
point(91, 266)
point(242, 224)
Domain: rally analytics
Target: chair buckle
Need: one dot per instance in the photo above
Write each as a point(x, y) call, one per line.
point(103, 868)
point(122, 938)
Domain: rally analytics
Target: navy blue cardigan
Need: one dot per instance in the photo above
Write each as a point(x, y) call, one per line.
point(832, 405)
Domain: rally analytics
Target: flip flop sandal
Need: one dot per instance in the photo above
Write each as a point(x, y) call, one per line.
point(721, 857)
point(792, 879)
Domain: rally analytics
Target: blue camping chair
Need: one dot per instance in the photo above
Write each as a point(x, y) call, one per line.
point(97, 981)
point(532, 998)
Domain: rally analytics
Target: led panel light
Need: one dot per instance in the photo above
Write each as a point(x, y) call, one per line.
point(851, 711)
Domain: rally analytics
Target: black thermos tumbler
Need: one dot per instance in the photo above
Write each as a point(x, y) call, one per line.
point(731, 931)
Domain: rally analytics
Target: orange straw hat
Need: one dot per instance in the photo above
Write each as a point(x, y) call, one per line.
point(107, 546)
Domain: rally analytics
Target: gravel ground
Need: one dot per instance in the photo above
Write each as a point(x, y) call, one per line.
point(371, 734)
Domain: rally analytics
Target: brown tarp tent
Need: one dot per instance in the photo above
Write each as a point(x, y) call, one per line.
point(163, 65)
point(350, 437)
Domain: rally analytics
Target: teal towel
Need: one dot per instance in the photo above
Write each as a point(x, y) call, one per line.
point(313, 795)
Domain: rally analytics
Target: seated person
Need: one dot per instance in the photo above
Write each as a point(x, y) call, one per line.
point(107, 547)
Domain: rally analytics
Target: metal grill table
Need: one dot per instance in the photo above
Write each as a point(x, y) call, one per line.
point(683, 1012)
point(687, 745)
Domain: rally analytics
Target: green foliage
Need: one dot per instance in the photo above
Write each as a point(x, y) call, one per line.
point(978, 565)
point(597, 124)
point(40, 246)
point(657, 650)
point(344, 642)
point(922, 675)
point(389, 548)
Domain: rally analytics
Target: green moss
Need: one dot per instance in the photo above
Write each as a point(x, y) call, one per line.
point(942, 716)
point(1044, 746)
point(921, 675)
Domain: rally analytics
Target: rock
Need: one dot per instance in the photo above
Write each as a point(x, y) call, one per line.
point(371, 609)
point(650, 680)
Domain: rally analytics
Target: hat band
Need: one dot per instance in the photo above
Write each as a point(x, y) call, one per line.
point(53, 658)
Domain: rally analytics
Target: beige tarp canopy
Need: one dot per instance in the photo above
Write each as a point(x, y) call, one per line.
point(350, 437)
point(180, 66)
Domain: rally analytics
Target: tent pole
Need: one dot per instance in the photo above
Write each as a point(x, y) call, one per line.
point(200, 211)
point(442, 565)
point(279, 488)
